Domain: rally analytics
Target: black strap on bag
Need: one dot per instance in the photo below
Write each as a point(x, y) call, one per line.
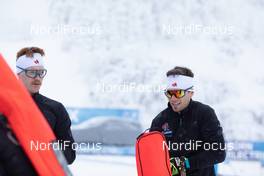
point(4, 127)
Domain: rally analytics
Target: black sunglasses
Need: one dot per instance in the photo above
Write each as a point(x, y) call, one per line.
point(34, 73)
point(177, 93)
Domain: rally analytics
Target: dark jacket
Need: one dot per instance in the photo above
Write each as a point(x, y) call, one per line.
point(196, 124)
point(13, 160)
point(59, 121)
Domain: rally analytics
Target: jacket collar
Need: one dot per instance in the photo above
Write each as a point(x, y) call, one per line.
point(36, 96)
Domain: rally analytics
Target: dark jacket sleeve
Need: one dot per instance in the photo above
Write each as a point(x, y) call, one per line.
point(211, 133)
point(64, 134)
point(155, 124)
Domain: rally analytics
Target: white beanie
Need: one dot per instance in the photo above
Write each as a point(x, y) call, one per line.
point(25, 62)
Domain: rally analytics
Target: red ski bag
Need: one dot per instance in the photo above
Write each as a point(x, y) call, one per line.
point(152, 155)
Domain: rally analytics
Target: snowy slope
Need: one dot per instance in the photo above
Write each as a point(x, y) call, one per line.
point(97, 165)
point(115, 53)
point(103, 53)
point(126, 165)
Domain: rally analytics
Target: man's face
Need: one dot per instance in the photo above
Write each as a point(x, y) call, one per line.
point(32, 84)
point(178, 104)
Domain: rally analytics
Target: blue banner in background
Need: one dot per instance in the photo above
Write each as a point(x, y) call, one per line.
point(240, 155)
point(111, 127)
point(79, 115)
point(258, 146)
point(246, 151)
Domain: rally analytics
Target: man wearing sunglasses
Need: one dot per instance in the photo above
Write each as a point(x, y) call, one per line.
point(31, 71)
point(193, 133)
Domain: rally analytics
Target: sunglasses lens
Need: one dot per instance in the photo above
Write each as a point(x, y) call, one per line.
point(176, 93)
point(168, 94)
point(181, 93)
point(42, 73)
point(31, 73)
point(35, 73)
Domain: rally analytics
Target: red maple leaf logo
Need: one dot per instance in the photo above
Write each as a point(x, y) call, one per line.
point(174, 84)
point(36, 61)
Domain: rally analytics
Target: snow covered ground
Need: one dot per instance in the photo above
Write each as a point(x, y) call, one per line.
point(241, 168)
point(102, 165)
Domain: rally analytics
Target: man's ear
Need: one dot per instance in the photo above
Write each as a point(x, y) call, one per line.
point(191, 94)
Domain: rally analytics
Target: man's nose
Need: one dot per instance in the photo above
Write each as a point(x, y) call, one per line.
point(38, 77)
point(173, 98)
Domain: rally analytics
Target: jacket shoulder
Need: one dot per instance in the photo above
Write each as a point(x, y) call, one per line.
point(158, 120)
point(161, 115)
point(205, 114)
point(49, 101)
point(201, 107)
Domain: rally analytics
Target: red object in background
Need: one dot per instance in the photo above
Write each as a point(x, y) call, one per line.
point(27, 123)
point(152, 155)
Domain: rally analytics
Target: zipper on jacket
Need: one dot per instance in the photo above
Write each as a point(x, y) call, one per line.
point(180, 121)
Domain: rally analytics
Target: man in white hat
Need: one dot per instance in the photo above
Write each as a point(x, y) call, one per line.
point(193, 133)
point(31, 71)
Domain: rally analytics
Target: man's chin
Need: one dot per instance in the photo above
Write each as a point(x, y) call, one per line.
point(176, 108)
point(35, 88)
point(34, 91)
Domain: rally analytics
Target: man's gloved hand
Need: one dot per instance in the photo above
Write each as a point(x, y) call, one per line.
point(179, 165)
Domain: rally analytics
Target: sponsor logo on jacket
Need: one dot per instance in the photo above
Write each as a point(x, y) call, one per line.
point(166, 130)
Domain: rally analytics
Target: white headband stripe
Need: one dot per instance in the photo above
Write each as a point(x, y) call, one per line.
point(179, 82)
point(24, 62)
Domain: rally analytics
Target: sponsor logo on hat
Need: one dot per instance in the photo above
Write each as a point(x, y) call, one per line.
point(174, 84)
point(36, 61)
